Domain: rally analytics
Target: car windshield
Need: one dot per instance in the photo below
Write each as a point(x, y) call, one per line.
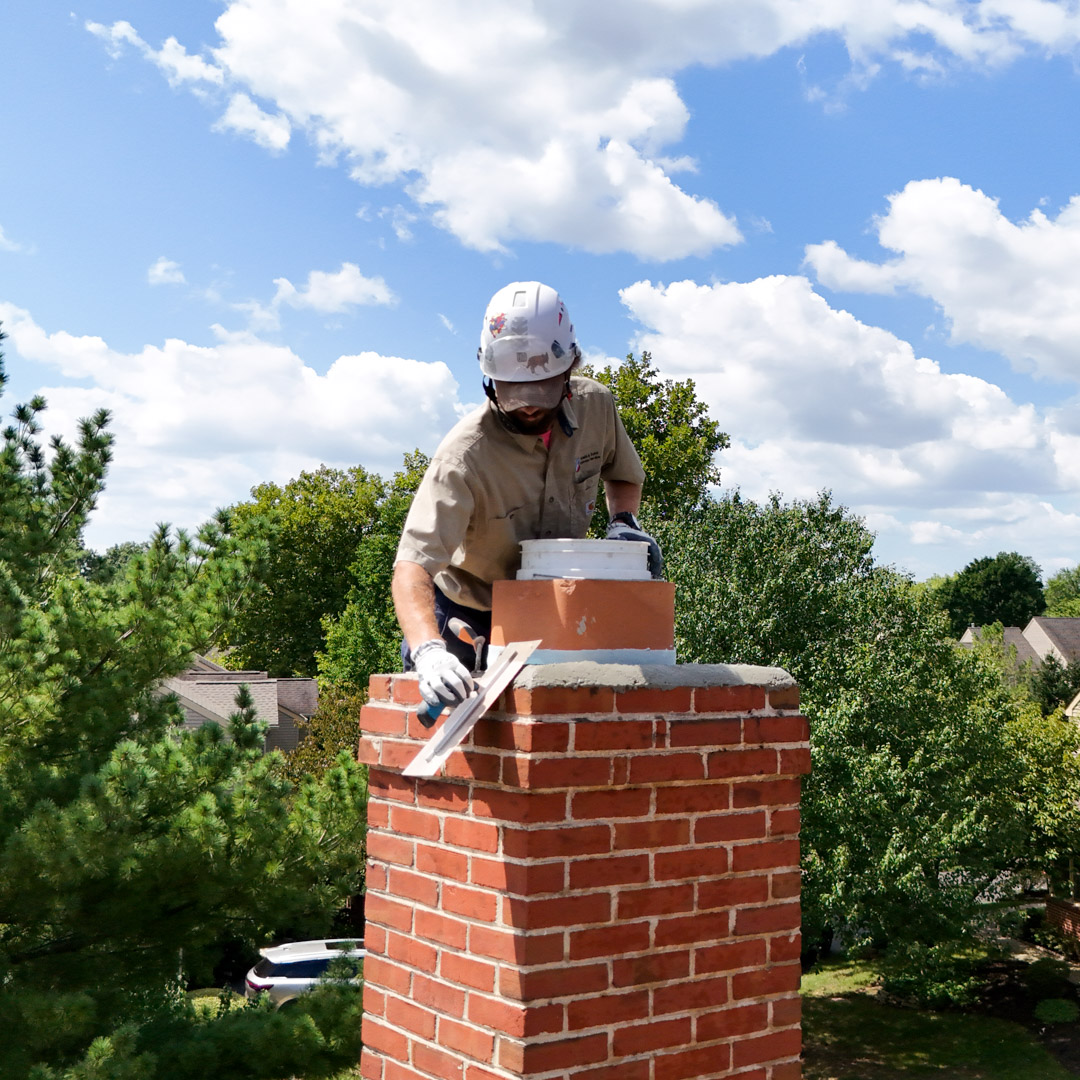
point(293, 969)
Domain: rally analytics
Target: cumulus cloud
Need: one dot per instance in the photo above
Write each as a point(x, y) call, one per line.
point(175, 62)
point(165, 272)
point(1013, 287)
point(813, 398)
point(334, 293)
point(197, 426)
point(7, 244)
point(244, 117)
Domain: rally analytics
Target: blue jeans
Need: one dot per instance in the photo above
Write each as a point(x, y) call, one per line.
point(477, 621)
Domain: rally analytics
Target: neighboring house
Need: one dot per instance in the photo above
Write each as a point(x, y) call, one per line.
point(1072, 710)
point(1044, 635)
point(207, 691)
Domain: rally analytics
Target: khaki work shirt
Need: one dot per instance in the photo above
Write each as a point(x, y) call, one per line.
point(487, 489)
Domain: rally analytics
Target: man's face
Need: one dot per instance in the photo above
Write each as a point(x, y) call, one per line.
point(532, 405)
point(533, 421)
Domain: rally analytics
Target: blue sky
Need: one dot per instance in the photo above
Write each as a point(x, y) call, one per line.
point(263, 233)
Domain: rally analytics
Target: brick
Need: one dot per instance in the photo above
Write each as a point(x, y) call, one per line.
point(522, 879)
point(720, 699)
point(371, 1065)
point(520, 808)
point(375, 940)
point(795, 762)
point(788, 698)
point(730, 956)
point(377, 1036)
point(523, 735)
point(727, 764)
point(445, 1000)
point(394, 754)
point(609, 941)
point(435, 927)
point(765, 856)
point(607, 1009)
point(690, 996)
point(612, 803)
point(388, 785)
point(575, 981)
point(507, 1017)
point(386, 911)
point(656, 1035)
point(561, 772)
point(374, 1000)
point(786, 1011)
point(432, 859)
point(610, 870)
point(404, 883)
point(504, 944)
point(558, 700)
point(411, 1017)
point(378, 815)
point(687, 930)
point(728, 1023)
point(382, 720)
point(692, 732)
point(378, 688)
point(666, 768)
point(647, 700)
point(693, 798)
point(784, 947)
point(405, 688)
point(473, 765)
point(396, 1071)
point(771, 1047)
point(690, 864)
point(660, 900)
point(623, 735)
point(541, 1057)
point(776, 729)
point(469, 903)
point(466, 971)
point(782, 979)
point(407, 950)
point(560, 911)
point(786, 886)
point(467, 1039)
point(789, 1070)
point(435, 1062)
point(730, 826)
point(369, 752)
point(651, 834)
point(625, 1070)
point(375, 875)
point(384, 847)
point(435, 795)
point(655, 967)
point(766, 920)
point(691, 1064)
point(733, 892)
point(784, 822)
point(566, 842)
point(478, 1072)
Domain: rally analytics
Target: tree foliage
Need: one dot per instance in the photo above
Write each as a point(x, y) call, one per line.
point(125, 841)
point(671, 429)
point(1003, 588)
point(1063, 593)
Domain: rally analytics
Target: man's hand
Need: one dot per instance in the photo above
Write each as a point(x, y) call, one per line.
point(624, 526)
point(444, 680)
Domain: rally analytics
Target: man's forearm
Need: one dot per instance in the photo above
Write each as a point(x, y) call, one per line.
point(622, 495)
point(414, 603)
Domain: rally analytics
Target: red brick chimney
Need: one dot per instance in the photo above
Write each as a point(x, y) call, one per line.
point(604, 885)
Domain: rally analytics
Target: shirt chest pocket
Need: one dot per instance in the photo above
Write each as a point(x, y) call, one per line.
point(584, 501)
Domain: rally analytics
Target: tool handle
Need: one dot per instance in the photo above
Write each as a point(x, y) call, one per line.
point(428, 714)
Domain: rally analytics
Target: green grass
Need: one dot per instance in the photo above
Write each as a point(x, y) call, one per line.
point(848, 1035)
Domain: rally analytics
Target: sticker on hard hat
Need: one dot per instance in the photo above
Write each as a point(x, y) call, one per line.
point(519, 326)
point(497, 325)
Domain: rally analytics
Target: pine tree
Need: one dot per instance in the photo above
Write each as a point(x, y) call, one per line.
point(129, 848)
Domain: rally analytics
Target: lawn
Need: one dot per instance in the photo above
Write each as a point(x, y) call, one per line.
point(849, 1035)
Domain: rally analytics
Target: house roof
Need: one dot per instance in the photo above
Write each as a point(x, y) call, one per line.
point(1063, 633)
point(1073, 708)
point(1013, 636)
point(216, 699)
point(299, 695)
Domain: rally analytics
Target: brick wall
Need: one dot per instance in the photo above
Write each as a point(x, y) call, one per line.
point(1064, 916)
point(604, 884)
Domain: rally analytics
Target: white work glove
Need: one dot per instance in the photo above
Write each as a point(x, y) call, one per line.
point(444, 680)
point(624, 526)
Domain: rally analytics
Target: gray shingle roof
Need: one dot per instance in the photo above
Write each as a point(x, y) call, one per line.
point(1064, 633)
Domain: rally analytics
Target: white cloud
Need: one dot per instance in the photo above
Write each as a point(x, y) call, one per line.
point(7, 244)
point(1010, 287)
point(508, 120)
point(197, 426)
point(812, 398)
point(447, 323)
point(246, 118)
point(165, 272)
point(334, 293)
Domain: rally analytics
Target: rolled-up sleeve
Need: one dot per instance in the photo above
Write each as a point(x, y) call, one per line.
point(621, 461)
point(438, 518)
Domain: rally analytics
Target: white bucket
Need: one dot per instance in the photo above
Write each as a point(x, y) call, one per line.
point(597, 560)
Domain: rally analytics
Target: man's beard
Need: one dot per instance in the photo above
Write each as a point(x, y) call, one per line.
point(536, 425)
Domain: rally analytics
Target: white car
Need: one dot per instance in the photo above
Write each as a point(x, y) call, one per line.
point(287, 971)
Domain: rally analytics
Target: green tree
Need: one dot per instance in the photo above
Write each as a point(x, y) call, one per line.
point(671, 429)
point(317, 522)
point(1055, 684)
point(124, 840)
point(1004, 588)
point(1063, 593)
point(102, 568)
point(911, 811)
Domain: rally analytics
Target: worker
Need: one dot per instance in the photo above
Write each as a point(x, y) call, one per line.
point(525, 465)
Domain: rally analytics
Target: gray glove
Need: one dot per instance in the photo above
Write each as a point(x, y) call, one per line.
point(444, 680)
point(624, 526)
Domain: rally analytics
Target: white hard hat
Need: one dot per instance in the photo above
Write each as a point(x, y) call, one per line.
point(527, 334)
